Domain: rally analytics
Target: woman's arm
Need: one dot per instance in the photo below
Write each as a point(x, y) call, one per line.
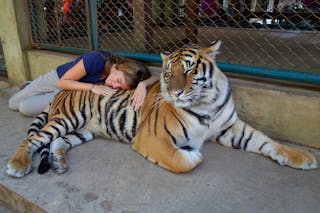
point(141, 91)
point(70, 81)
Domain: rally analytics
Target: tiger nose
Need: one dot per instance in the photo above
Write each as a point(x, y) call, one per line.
point(176, 93)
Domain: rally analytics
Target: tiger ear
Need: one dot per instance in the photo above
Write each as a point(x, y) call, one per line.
point(164, 55)
point(213, 50)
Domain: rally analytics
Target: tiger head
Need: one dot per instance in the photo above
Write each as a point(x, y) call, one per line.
point(187, 74)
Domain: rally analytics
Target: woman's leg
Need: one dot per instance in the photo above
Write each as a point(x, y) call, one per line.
point(34, 105)
point(45, 83)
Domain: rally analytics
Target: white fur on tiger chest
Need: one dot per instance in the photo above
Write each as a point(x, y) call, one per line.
point(207, 125)
point(197, 132)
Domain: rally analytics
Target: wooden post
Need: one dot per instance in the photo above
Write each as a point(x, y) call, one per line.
point(143, 32)
point(192, 10)
point(148, 24)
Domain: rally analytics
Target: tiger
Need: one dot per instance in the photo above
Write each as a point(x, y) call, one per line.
point(191, 104)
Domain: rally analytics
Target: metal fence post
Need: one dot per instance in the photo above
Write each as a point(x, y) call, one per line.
point(93, 26)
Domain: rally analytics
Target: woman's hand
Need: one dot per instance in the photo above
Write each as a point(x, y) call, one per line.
point(139, 95)
point(103, 90)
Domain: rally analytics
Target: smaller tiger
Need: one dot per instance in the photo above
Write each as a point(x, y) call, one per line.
point(191, 104)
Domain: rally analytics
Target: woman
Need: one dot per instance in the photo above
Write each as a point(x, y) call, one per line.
point(82, 74)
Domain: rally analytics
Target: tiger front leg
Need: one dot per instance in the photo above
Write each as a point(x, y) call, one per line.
point(242, 136)
point(20, 163)
point(166, 154)
point(60, 147)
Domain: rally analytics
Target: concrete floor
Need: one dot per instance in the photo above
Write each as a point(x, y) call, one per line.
point(107, 176)
point(4, 208)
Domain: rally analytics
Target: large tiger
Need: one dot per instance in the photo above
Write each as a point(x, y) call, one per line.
point(191, 104)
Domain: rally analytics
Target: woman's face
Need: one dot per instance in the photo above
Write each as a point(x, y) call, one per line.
point(116, 79)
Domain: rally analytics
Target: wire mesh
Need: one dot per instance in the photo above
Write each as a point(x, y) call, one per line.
point(59, 23)
point(281, 34)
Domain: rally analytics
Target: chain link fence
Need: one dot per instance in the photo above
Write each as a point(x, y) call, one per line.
point(280, 34)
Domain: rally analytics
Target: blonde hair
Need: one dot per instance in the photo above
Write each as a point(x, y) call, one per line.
point(134, 71)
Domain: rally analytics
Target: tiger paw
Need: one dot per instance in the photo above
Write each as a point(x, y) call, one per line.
point(59, 161)
point(295, 158)
point(184, 160)
point(59, 167)
point(19, 167)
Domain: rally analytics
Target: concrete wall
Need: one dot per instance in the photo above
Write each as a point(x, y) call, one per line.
point(15, 38)
point(41, 61)
point(283, 113)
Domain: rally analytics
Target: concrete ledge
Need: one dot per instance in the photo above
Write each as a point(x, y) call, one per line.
point(288, 114)
point(17, 202)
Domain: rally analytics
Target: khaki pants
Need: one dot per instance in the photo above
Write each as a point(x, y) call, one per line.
point(34, 98)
